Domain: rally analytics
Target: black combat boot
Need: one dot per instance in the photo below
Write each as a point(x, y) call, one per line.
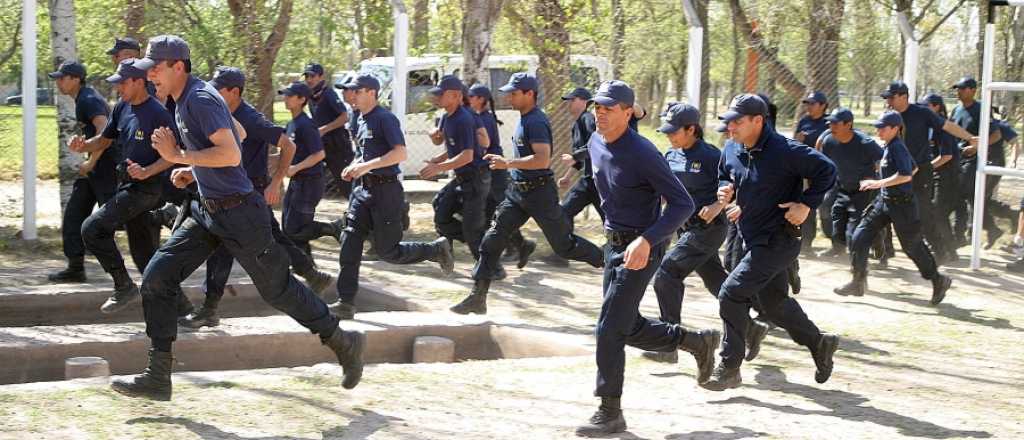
point(155, 381)
point(723, 378)
point(665, 357)
point(755, 335)
point(940, 284)
point(317, 280)
point(445, 259)
point(476, 302)
point(125, 291)
point(702, 345)
point(206, 316)
point(823, 357)
point(607, 420)
point(342, 309)
point(348, 346)
point(527, 249)
point(74, 273)
point(856, 287)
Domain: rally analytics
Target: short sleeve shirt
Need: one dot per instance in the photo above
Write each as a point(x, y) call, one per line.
point(897, 160)
point(917, 121)
point(307, 142)
point(201, 112)
point(379, 133)
point(259, 134)
point(533, 128)
point(855, 160)
point(133, 126)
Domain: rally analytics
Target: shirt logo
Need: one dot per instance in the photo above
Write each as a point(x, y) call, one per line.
point(695, 166)
point(138, 135)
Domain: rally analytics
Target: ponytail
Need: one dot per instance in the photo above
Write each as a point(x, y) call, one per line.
point(490, 106)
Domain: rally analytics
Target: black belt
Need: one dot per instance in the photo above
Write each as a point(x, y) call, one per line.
point(466, 175)
point(621, 238)
point(898, 198)
point(372, 180)
point(224, 203)
point(530, 185)
point(260, 181)
point(319, 175)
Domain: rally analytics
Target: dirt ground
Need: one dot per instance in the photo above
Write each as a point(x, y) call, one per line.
point(904, 369)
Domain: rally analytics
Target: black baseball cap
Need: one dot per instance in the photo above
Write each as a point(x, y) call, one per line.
point(362, 81)
point(895, 88)
point(297, 88)
point(578, 92)
point(164, 47)
point(313, 68)
point(966, 83)
point(815, 97)
point(480, 90)
point(932, 98)
point(127, 69)
point(448, 82)
point(124, 43)
point(614, 92)
point(677, 116)
point(69, 68)
point(227, 77)
point(841, 114)
point(744, 105)
point(889, 119)
point(520, 81)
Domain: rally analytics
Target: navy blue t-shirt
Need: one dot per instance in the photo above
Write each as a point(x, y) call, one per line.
point(697, 169)
point(855, 160)
point(945, 144)
point(88, 105)
point(326, 107)
point(533, 128)
point(199, 113)
point(632, 179)
point(379, 132)
point(460, 135)
point(968, 118)
point(490, 124)
point(259, 134)
point(897, 160)
point(133, 126)
point(307, 141)
point(917, 120)
point(584, 127)
point(813, 127)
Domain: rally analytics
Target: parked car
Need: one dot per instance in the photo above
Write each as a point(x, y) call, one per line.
point(43, 97)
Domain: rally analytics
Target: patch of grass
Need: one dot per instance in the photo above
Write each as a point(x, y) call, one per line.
point(11, 142)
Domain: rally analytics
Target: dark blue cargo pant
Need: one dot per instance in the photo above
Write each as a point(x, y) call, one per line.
point(466, 195)
point(902, 212)
point(86, 193)
point(696, 250)
point(129, 207)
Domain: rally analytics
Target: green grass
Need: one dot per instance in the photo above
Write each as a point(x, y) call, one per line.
point(11, 142)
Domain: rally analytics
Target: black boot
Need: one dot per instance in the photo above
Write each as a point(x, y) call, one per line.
point(837, 250)
point(992, 236)
point(823, 357)
point(527, 249)
point(476, 302)
point(940, 284)
point(856, 287)
point(185, 306)
point(204, 317)
point(444, 257)
point(342, 309)
point(665, 357)
point(702, 345)
point(348, 346)
point(723, 378)
point(755, 335)
point(125, 291)
point(607, 420)
point(335, 228)
point(74, 273)
point(155, 381)
point(318, 281)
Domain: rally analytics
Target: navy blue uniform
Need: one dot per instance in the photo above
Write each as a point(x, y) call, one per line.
point(499, 178)
point(466, 194)
point(376, 207)
point(231, 214)
point(969, 118)
point(813, 129)
point(632, 179)
point(697, 249)
point(532, 193)
point(260, 133)
point(583, 193)
point(770, 173)
point(897, 205)
point(98, 186)
point(130, 126)
point(306, 187)
point(855, 160)
point(919, 122)
point(946, 196)
point(325, 107)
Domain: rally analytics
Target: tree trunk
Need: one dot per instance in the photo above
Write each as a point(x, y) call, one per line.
point(737, 62)
point(794, 88)
point(249, 18)
point(421, 25)
point(705, 63)
point(826, 19)
point(618, 35)
point(65, 48)
point(478, 23)
point(1015, 68)
point(135, 18)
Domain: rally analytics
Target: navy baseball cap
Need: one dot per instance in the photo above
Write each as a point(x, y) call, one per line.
point(889, 119)
point(313, 68)
point(841, 114)
point(520, 81)
point(815, 97)
point(227, 77)
point(362, 81)
point(127, 69)
point(677, 116)
point(479, 90)
point(895, 88)
point(614, 92)
point(72, 68)
point(448, 82)
point(124, 43)
point(164, 47)
point(965, 83)
point(744, 105)
point(932, 98)
point(578, 92)
point(297, 88)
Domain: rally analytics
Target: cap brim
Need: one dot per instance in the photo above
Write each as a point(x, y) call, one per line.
point(115, 78)
point(668, 128)
point(436, 91)
point(507, 88)
point(606, 101)
point(730, 116)
point(112, 50)
point(722, 128)
point(55, 75)
point(879, 124)
point(886, 94)
point(145, 63)
point(285, 92)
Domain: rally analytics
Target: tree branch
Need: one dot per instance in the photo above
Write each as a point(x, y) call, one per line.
point(943, 20)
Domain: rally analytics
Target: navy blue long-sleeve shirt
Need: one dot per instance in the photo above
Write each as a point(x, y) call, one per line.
point(632, 178)
point(771, 173)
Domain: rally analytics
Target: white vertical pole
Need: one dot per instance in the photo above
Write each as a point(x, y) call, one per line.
point(911, 54)
point(401, 42)
point(28, 117)
point(695, 55)
point(983, 132)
